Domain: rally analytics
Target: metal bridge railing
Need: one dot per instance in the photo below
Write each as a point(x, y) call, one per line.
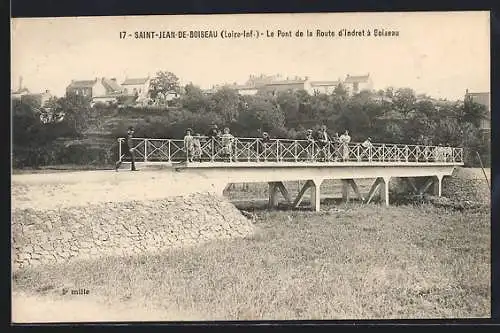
point(285, 150)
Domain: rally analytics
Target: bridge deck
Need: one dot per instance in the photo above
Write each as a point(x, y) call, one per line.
point(230, 165)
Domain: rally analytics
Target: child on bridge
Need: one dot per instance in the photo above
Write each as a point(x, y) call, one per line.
point(197, 147)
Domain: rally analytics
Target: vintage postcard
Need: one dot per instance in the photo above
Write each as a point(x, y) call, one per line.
point(251, 167)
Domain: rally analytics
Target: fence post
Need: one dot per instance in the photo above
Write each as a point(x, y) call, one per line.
point(145, 150)
point(168, 151)
point(119, 149)
point(212, 147)
point(277, 150)
point(248, 150)
point(257, 158)
point(295, 151)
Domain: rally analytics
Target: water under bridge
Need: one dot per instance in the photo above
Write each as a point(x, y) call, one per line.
point(249, 160)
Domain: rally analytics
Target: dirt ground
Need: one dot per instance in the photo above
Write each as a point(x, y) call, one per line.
point(62, 189)
point(84, 308)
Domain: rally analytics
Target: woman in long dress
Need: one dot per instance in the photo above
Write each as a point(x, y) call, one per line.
point(344, 141)
point(227, 144)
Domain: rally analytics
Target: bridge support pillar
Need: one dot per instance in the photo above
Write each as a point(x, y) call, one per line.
point(384, 190)
point(274, 189)
point(314, 185)
point(382, 185)
point(227, 188)
point(346, 183)
point(316, 195)
point(438, 185)
point(345, 190)
point(434, 181)
point(273, 195)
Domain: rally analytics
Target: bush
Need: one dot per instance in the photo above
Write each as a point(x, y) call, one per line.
point(58, 154)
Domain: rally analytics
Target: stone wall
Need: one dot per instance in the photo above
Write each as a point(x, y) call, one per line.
point(121, 228)
point(468, 184)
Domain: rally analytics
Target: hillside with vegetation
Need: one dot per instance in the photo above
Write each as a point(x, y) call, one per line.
point(84, 133)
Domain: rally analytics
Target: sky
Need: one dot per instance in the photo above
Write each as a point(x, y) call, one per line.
point(437, 53)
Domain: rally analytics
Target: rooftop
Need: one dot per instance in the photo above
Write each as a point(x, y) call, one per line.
point(243, 86)
point(109, 84)
point(357, 78)
point(285, 82)
point(135, 81)
point(480, 97)
point(325, 83)
point(82, 83)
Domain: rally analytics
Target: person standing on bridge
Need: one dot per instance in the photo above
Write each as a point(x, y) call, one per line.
point(189, 145)
point(264, 146)
point(129, 150)
point(367, 144)
point(227, 144)
point(197, 152)
point(344, 141)
point(336, 146)
point(449, 154)
point(212, 135)
point(310, 145)
point(322, 138)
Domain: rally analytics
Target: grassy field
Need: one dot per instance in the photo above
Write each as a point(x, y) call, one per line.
point(352, 262)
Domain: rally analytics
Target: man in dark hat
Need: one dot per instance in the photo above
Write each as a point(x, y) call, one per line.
point(310, 144)
point(264, 144)
point(322, 140)
point(212, 134)
point(129, 150)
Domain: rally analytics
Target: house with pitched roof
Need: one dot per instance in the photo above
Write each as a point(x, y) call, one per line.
point(136, 86)
point(270, 84)
point(18, 94)
point(358, 83)
point(98, 87)
point(483, 98)
point(323, 87)
point(289, 84)
point(20, 91)
point(38, 98)
point(244, 89)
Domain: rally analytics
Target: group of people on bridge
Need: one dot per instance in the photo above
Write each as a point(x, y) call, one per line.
point(315, 146)
point(221, 143)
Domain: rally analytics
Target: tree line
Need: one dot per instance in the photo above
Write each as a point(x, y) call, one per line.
point(387, 116)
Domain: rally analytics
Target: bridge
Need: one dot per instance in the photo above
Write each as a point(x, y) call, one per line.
point(249, 160)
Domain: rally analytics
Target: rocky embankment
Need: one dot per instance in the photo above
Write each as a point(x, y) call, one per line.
point(121, 228)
